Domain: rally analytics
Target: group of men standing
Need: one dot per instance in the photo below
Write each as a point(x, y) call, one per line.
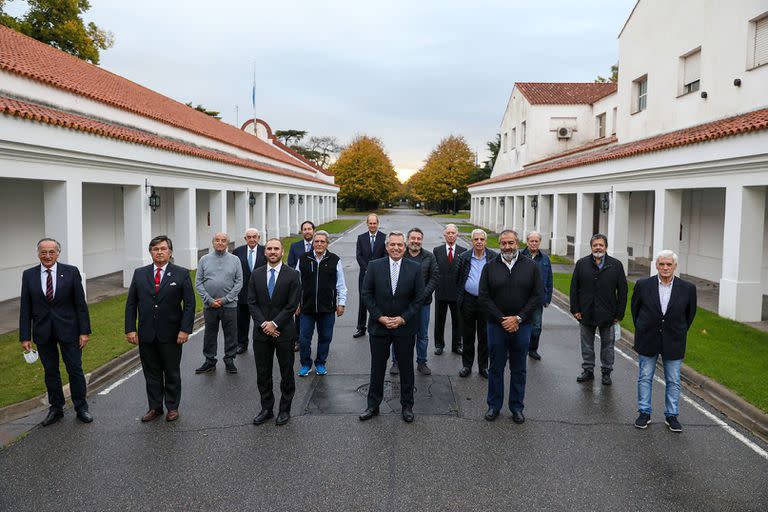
point(496, 302)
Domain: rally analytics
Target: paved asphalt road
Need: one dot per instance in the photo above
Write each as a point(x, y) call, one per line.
point(577, 450)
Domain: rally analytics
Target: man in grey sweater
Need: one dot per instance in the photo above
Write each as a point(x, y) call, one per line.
point(218, 281)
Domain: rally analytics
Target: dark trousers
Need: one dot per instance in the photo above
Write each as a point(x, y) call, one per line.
point(535, 319)
point(264, 353)
point(227, 317)
point(380, 346)
point(503, 345)
point(72, 356)
point(161, 363)
point(307, 322)
point(441, 311)
point(243, 325)
point(473, 323)
point(361, 311)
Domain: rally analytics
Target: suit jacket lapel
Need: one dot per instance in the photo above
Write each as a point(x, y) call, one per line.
point(655, 299)
point(167, 277)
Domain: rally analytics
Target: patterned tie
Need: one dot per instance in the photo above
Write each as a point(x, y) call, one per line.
point(271, 283)
point(450, 255)
point(49, 286)
point(394, 274)
point(373, 242)
point(250, 259)
point(308, 247)
point(157, 280)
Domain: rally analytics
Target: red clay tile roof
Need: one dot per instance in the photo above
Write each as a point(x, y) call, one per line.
point(564, 93)
point(27, 57)
point(736, 125)
point(30, 111)
point(604, 141)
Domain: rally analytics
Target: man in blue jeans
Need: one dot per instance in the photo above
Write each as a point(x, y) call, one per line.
point(534, 252)
point(323, 297)
point(510, 289)
point(663, 309)
point(429, 272)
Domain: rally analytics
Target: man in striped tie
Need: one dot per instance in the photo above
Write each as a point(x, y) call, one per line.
point(53, 313)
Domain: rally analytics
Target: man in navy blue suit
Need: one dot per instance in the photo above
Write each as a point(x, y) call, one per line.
point(370, 246)
point(251, 257)
point(54, 315)
point(303, 246)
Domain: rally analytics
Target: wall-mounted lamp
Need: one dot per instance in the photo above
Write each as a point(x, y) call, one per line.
point(154, 200)
point(252, 200)
point(737, 82)
point(301, 199)
point(534, 202)
point(334, 199)
point(482, 201)
point(604, 202)
point(321, 200)
point(501, 202)
point(704, 94)
point(291, 200)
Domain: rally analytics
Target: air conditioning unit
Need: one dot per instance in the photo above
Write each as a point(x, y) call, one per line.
point(564, 132)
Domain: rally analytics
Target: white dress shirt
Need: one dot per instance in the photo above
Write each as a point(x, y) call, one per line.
point(277, 272)
point(665, 292)
point(44, 277)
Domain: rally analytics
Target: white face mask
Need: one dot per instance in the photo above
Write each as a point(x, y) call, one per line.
point(31, 356)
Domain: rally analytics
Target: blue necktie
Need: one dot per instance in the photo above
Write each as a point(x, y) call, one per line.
point(250, 259)
point(271, 283)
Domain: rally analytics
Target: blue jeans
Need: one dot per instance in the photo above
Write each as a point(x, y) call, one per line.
point(536, 315)
point(325, 323)
point(503, 345)
point(422, 337)
point(672, 381)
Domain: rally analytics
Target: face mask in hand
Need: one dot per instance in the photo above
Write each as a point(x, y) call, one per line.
point(31, 356)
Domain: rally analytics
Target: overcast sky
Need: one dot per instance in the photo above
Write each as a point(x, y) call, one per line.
point(408, 72)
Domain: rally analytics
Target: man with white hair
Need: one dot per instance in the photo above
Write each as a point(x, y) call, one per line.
point(251, 257)
point(533, 251)
point(663, 309)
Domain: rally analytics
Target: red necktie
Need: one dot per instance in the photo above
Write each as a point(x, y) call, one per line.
point(49, 286)
point(450, 255)
point(157, 280)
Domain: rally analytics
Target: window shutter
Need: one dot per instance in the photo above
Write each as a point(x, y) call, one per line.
point(761, 41)
point(692, 68)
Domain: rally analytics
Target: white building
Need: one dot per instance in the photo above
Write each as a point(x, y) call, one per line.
point(687, 168)
point(82, 150)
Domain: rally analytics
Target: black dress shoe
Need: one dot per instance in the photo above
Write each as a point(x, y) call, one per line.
point(85, 416)
point(262, 417)
point(230, 366)
point(606, 380)
point(464, 372)
point(483, 372)
point(492, 414)
point(54, 415)
point(517, 417)
point(359, 333)
point(457, 351)
point(368, 413)
point(533, 354)
point(242, 350)
point(407, 415)
point(586, 376)
point(206, 367)
point(282, 418)
point(438, 351)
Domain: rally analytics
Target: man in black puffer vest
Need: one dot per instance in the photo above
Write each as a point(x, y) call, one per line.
point(323, 297)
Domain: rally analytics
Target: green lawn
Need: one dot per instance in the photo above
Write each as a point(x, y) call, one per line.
point(460, 215)
point(732, 353)
point(20, 381)
point(560, 260)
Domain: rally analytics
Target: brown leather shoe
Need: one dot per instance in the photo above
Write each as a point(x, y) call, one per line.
point(172, 415)
point(151, 414)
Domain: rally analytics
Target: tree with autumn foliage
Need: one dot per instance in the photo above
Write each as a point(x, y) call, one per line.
point(448, 166)
point(365, 174)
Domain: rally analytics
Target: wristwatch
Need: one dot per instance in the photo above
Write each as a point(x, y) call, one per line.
point(519, 320)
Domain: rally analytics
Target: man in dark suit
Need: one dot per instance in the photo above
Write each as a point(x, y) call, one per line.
point(598, 301)
point(301, 247)
point(370, 246)
point(53, 313)
point(274, 291)
point(473, 315)
point(510, 291)
point(663, 308)
point(162, 297)
point(251, 257)
point(392, 291)
point(445, 294)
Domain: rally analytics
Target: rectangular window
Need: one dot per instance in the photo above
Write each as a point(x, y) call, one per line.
point(614, 120)
point(522, 133)
point(512, 138)
point(691, 72)
point(758, 49)
point(640, 94)
point(600, 126)
point(504, 143)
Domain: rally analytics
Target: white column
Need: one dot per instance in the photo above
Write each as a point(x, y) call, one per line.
point(218, 208)
point(618, 227)
point(137, 229)
point(242, 218)
point(559, 224)
point(517, 215)
point(741, 296)
point(272, 228)
point(185, 227)
point(293, 213)
point(63, 202)
point(544, 224)
point(259, 213)
point(500, 214)
point(472, 210)
point(585, 215)
point(530, 216)
point(302, 200)
point(323, 210)
point(491, 225)
point(666, 223)
point(285, 229)
point(509, 211)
